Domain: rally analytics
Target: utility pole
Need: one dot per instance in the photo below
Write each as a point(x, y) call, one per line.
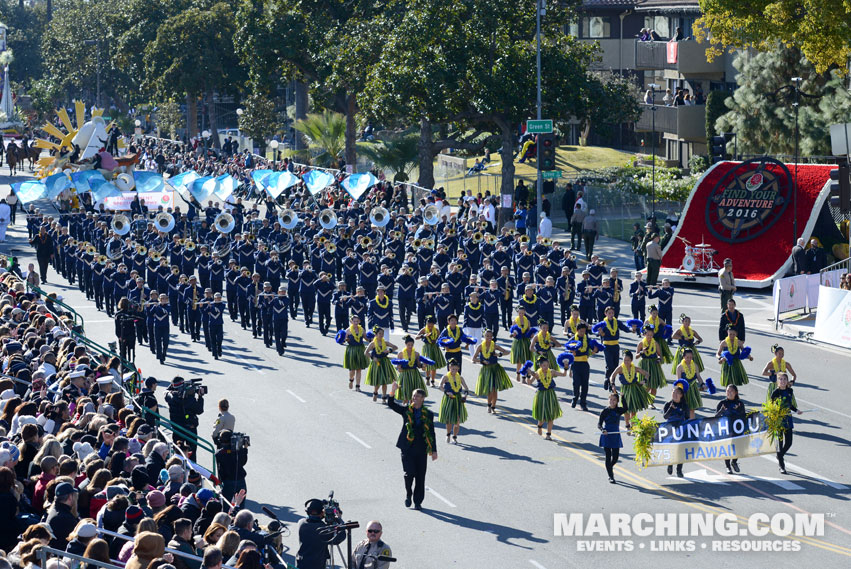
point(540, 8)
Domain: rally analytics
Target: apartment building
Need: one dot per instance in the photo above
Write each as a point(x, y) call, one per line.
point(680, 131)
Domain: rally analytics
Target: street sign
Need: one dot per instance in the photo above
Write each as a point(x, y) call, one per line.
point(552, 175)
point(544, 126)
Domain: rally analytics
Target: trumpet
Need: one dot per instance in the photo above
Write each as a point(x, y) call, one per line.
point(451, 232)
point(330, 247)
point(102, 259)
point(546, 241)
point(189, 245)
point(91, 249)
point(429, 243)
point(155, 256)
point(366, 241)
point(322, 239)
point(490, 239)
point(417, 243)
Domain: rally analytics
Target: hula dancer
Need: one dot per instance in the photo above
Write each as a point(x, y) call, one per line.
point(354, 359)
point(451, 340)
point(787, 401)
point(648, 350)
point(634, 394)
point(521, 331)
point(545, 406)
point(732, 408)
point(492, 376)
point(573, 322)
point(658, 324)
point(688, 339)
point(775, 366)
point(688, 371)
point(453, 412)
point(609, 329)
point(610, 439)
point(408, 364)
point(429, 336)
point(676, 411)
point(381, 372)
point(730, 354)
point(542, 344)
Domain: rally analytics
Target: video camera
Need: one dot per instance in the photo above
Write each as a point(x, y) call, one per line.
point(239, 441)
point(194, 386)
point(333, 515)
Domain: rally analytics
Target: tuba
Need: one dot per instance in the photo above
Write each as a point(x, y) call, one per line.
point(113, 249)
point(431, 215)
point(288, 219)
point(120, 224)
point(164, 222)
point(125, 182)
point(328, 219)
point(224, 223)
point(379, 217)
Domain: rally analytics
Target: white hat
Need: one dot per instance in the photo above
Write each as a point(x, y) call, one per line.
point(105, 380)
point(7, 394)
point(82, 450)
point(77, 373)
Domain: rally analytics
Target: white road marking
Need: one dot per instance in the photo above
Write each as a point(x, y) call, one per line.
point(441, 498)
point(785, 484)
point(810, 473)
point(701, 476)
point(296, 396)
point(536, 564)
point(358, 440)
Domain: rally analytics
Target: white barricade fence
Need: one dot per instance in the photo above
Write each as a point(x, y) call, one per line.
point(833, 318)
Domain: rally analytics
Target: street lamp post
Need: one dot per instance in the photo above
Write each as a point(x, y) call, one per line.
point(96, 43)
point(653, 87)
point(797, 82)
point(539, 186)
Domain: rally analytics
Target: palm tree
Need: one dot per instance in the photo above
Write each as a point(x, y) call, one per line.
point(399, 155)
point(325, 133)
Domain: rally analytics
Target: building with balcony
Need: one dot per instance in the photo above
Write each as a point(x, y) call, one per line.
point(680, 131)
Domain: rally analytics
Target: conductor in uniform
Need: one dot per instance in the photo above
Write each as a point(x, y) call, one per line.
point(416, 441)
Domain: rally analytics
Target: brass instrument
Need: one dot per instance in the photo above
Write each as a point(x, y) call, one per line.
point(417, 243)
point(490, 239)
point(164, 222)
point(451, 232)
point(141, 249)
point(366, 241)
point(379, 217)
point(91, 249)
point(546, 241)
point(331, 247)
point(429, 243)
point(431, 215)
point(322, 239)
point(288, 219)
point(155, 256)
point(478, 237)
point(524, 239)
point(328, 219)
point(102, 259)
point(189, 245)
point(120, 224)
point(224, 223)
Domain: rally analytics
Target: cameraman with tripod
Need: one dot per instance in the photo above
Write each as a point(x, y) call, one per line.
point(230, 462)
point(315, 537)
point(185, 403)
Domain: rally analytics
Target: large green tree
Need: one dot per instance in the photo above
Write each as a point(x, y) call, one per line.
point(258, 119)
point(761, 111)
point(24, 36)
point(193, 55)
point(819, 28)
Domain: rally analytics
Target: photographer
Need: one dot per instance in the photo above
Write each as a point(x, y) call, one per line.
point(148, 400)
point(314, 537)
point(230, 462)
point(185, 403)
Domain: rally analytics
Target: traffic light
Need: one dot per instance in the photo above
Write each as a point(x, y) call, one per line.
point(840, 188)
point(547, 151)
point(719, 148)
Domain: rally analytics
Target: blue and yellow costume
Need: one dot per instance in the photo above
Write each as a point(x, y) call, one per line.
point(355, 355)
point(665, 355)
point(522, 329)
point(732, 370)
point(651, 364)
point(634, 395)
point(687, 343)
point(380, 371)
point(410, 378)
point(693, 398)
point(543, 349)
point(776, 368)
point(492, 376)
point(545, 405)
point(452, 408)
point(431, 349)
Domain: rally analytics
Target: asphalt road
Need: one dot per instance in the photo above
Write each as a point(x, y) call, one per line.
point(493, 497)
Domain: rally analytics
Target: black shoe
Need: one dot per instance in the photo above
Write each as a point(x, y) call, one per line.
point(735, 466)
point(606, 385)
point(670, 470)
point(584, 408)
point(679, 471)
point(729, 470)
point(612, 480)
point(418, 506)
point(408, 502)
point(574, 403)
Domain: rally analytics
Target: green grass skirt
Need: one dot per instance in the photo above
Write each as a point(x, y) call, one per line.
point(520, 352)
point(635, 397)
point(355, 357)
point(693, 397)
point(665, 351)
point(452, 410)
point(655, 376)
point(433, 352)
point(549, 355)
point(380, 372)
point(409, 380)
point(734, 374)
point(492, 377)
point(545, 406)
point(678, 357)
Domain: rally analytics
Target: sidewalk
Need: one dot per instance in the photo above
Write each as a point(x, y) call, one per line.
point(616, 253)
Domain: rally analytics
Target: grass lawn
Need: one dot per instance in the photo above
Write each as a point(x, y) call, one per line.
point(569, 159)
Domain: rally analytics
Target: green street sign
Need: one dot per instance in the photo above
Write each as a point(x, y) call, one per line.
point(551, 175)
point(544, 126)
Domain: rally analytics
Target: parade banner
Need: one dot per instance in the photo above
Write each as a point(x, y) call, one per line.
point(152, 200)
point(721, 438)
point(833, 317)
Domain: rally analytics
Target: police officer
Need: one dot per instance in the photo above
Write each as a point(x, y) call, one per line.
point(368, 551)
point(314, 537)
point(185, 403)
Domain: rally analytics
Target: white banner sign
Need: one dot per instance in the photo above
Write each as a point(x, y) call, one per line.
point(790, 294)
point(833, 318)
point(152, 200)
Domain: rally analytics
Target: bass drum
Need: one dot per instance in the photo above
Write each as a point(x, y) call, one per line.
point(688, 263)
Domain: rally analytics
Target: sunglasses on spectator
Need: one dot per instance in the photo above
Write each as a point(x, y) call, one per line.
point(373, 530)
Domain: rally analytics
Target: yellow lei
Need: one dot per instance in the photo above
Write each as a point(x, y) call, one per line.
point(454, 381)
point(573, 324)
point(613, 330)
point(734, 347)
point(533, 301)
point(690, 373)
point(456, 335)
point(431, 335)
point(544, 340)
point(380, 348)
point(386, 302)
point(778, 367)
point(477, 307)
point(628, 372)
point(650, 347)
point(357, 333)
point(412, 357)
point(655, 323)
point(545, 377)
point(687, 333)
point(523, 324)
point(485, 353)
point(583, 343)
